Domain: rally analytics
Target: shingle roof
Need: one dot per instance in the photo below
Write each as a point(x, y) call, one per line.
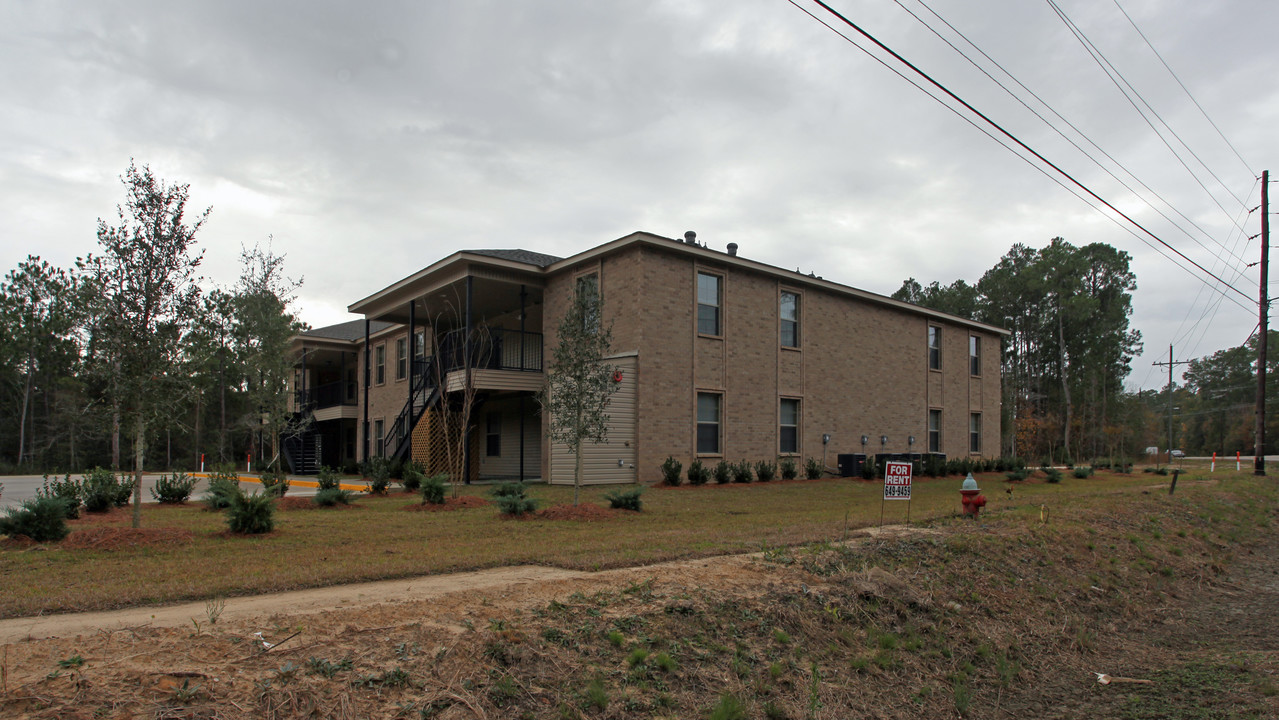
point(352, 331)
point(527, 257)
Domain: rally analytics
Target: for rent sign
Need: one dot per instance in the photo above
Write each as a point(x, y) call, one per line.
point(897, 481)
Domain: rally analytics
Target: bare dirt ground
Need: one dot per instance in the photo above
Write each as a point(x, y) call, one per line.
point(533, 642)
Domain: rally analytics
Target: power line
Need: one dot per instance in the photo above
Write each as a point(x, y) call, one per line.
point(1016, 140)
point(1183, 87)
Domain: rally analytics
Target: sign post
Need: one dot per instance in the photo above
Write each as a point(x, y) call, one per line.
point(896, 486)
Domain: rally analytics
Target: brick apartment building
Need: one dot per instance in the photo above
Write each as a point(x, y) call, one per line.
point(716, 357)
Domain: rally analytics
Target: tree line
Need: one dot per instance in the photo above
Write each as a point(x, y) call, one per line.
point(130, 358)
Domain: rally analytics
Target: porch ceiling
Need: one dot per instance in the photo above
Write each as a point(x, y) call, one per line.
point(444, 305)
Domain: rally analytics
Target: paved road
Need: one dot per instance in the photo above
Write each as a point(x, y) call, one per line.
point(22, 487)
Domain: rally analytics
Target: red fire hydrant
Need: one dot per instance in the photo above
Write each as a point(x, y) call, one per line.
point(972, 499)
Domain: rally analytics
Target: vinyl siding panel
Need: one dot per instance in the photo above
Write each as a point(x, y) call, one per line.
point(600, 460)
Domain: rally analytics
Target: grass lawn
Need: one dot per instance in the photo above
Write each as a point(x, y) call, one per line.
point(378, 539)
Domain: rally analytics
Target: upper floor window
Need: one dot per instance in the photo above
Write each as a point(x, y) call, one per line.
point(788, 435)
point(379, 364)
point(708, 422)
point(588, 291)
point(934, 347)
point(401, 359)
point(708, 304)
point(934, 431)
point(974, 355)
point(790, 319)
point(419, 345)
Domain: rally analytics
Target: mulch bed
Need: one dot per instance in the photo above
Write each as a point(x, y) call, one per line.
point(114, 538)
point(464, 502)
point(585, 512)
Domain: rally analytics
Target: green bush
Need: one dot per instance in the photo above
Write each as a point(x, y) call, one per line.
point(274, 481)
point(765, 471)
point(812, 469)
point(42, 518)
point(671, 469)
point(328, 497)
point(723, 472)
point(870, 469)
point(224, 485)
point(788, 469)
point(1053, 475)
point(698, 474)
point(66, 490)
point(328, 478)
point(1082, 471)
point(741, 471)
point(625, 500)
point(377, 475)
point(1018, 475)
point(510, 499)
point(433, 489)
point(175, 489)
point(412, 479)
point(251, 514)
point(104, 490)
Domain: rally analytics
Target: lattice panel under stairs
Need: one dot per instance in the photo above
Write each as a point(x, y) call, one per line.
point(431, 442)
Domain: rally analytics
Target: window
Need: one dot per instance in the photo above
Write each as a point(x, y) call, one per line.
point(788, 435)
point(588, 289)
point(493, 435)
point(379, 428)
point(934, 347)
point(419, 345)
point(708, 302)
point(974, 355)
point(401, 359)
point(934, 431)
point(974, 433)
point(790, 319)
point(379, 364)
point(351, 389)
point(708, 415)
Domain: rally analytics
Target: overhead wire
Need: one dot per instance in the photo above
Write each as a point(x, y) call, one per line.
point(1069, 124)
point(1013, 138)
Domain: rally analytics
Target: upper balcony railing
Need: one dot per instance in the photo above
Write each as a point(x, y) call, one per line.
point(325, 396)
point(493, 349)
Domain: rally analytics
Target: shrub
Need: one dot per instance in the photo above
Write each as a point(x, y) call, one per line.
point(765, 471)
point(788, 469)
point(377, 475)
point(328, 497)
point(870, 469)
point(42, 518)
point(510, 499)
point(66, 490)
point(723, 472)
point(251, 514)
point(274, 481)
point(328, 478)
point(625, 500)
point(1018, 475)
point(812, 469)
point(1053, 475)
point(698, 474)
point(103, 490)
point(433, 489)
point(741, 471)
point(1082, 471)
point(175, 489)
point(224, 485)
point(671, 471)
point(412, 479)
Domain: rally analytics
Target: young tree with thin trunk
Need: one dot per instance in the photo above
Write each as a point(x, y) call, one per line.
point(145, 279)
point(579, 383)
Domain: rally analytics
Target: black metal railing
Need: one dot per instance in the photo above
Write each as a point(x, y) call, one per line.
point(422, 392)
point(492, 349)
point(324, 396)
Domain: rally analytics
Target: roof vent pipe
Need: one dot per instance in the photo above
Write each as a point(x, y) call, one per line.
point(732, 249)
point(690, 237)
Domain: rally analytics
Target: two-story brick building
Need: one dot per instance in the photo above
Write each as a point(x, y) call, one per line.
point(716, 357)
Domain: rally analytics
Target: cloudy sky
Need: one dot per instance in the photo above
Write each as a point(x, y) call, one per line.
point(371, 139)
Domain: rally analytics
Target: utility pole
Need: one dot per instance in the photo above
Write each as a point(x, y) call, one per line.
point(1259, 463)
point(1170, 365)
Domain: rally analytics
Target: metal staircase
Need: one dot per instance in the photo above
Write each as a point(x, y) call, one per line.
point(303, 452)
point(424, 393)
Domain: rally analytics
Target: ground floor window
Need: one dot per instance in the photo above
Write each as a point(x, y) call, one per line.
point(379, 435)
point(493, 435)
point(974, 433)
point(934, 431)
point(788, 433)
point(708, 423)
